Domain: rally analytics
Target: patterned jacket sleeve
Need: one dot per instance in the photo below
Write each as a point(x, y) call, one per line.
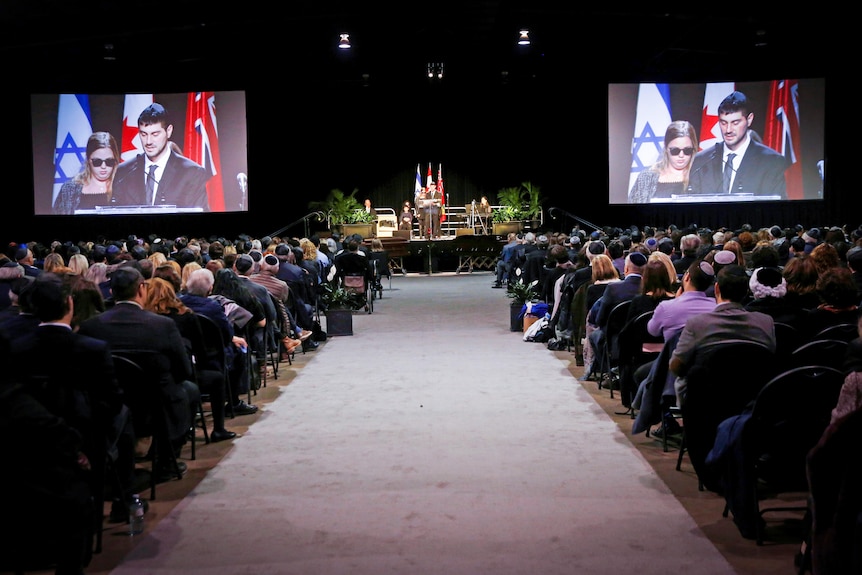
point(644, 187)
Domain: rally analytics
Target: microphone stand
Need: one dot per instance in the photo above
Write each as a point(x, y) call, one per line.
point(574, 217)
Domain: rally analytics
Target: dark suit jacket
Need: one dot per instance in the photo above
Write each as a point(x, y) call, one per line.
point(615, 293)
point(77, 383)
point(126, 327)
point(183, 183)
point(761, 172)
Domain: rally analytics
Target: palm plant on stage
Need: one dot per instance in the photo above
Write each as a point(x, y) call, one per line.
point(341, 208)
point(510, 202)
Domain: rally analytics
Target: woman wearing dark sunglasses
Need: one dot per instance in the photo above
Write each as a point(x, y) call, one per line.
point(92, 186)
point(669, 175)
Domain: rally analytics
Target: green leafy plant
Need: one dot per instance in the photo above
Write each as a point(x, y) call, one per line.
point(510, 202)
point(520, 293)
point(532, 199)
point(340, 208)
point(359, 216)
point(522, 202)
point(340, 298)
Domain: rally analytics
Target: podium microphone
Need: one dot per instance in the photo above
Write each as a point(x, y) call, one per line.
point(242, 181)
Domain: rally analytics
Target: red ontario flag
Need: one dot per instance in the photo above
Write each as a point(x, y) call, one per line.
point(782, 131)
point(201, 143)
point(442, 195)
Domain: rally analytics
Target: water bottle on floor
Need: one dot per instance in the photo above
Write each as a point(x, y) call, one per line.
point(136, 515)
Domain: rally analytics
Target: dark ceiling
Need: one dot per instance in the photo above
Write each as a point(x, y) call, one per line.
point(475, 39)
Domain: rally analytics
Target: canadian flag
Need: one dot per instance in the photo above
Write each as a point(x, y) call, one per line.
point(710, 132)
point(131, 138)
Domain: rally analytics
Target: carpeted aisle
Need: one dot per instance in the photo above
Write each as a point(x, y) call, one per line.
point(432, 441)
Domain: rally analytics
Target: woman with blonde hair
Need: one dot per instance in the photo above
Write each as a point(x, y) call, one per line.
point(158, 258)
point(603, 273)
point(665, 260)
point(79, 264)
point(54, 263)
point(93, 185)
point(669, 174)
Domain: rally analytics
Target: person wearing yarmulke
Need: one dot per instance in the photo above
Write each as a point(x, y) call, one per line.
point(812, 238)
point(614, 294)
point(768, 288)
point(738, 164)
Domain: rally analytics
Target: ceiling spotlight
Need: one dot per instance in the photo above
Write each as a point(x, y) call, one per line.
point(524, 38)
point(435, 70)
point(344, 42)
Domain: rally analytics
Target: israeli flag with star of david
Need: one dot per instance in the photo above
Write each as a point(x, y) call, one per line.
point(74, 128)
point(652, 119)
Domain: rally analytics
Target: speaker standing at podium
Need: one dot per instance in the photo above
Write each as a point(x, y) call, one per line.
point(160, 176)
point(432, 210)
point(739, 164)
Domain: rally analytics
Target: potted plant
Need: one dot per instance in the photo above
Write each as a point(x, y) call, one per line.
point(358, 222)
point(520, 293)
point(338, 304)
point(532, 199)
point(344, 209)
point(507, 218)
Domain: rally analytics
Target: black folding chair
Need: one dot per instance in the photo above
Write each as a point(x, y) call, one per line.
point(139, 375)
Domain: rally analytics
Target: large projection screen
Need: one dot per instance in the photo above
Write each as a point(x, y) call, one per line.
point(787, 116)
point(206, 172)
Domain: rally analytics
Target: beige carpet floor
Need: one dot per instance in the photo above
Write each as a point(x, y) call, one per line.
point(433, 440)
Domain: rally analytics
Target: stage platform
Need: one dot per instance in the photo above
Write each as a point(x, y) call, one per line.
point(465, 253)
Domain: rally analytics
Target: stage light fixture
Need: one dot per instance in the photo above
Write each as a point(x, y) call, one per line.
point(344, 42)
point(435, 70)
point(524, 38)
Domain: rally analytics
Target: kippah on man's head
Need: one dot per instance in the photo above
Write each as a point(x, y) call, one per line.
point(243, 263)
point(637, 259)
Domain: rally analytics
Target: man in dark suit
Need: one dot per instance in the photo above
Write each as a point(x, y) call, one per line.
point(751, 167)
point(127, 326)
point(78, 384)
point(160, 176)
point(615, 293)
point(244, 266)
point(433, 210)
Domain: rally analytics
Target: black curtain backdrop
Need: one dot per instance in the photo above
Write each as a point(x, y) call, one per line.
point(312, 137)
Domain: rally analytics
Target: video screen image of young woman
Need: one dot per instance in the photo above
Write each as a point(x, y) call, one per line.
point(121, 154)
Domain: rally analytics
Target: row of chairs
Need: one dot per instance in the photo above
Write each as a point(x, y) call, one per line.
point(787, 398)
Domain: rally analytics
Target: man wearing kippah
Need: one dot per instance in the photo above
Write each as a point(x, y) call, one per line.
point(614, 294)
point(738, 164)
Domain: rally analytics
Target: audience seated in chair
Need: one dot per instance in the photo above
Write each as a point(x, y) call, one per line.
point(129, 327)
point(162, 299)
point(199, 288)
